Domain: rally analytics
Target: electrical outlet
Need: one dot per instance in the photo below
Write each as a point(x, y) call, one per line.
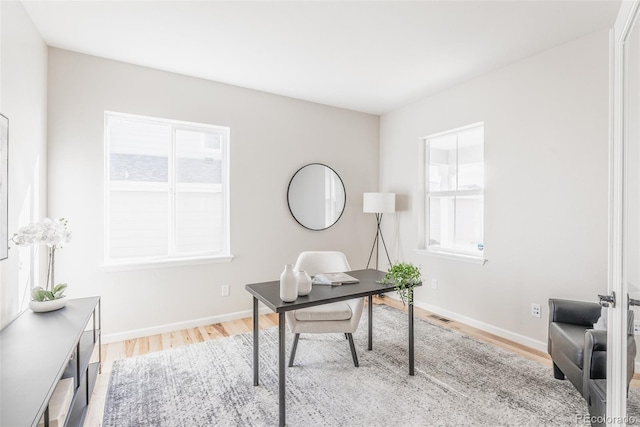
point(536, 310)
point(225, 290)
point(434, 283)
point(636, 327)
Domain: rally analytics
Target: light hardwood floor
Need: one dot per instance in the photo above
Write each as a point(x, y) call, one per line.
point(135, 347)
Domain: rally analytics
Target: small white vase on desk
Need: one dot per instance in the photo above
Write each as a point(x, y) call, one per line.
point(304, 283)
point(288, 284)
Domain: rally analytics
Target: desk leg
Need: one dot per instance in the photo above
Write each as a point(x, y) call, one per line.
point(281, 371)
point(411, 350)
point(256, 356)
point(370, 308)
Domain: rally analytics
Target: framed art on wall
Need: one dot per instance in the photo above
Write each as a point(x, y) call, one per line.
point(4, 193)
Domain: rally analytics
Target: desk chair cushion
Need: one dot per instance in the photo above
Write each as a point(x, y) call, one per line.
point(334, 311)
point(318, 326)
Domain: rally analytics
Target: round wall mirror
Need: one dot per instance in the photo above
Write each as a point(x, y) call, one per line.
point(316, 196)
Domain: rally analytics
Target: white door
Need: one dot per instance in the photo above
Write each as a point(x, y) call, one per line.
point(624, 220)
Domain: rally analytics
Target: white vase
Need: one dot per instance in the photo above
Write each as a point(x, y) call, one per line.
point(44, 306)
point(304, 283)
point(288, 284)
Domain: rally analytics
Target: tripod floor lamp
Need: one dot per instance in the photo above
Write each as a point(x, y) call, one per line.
point(378, 203)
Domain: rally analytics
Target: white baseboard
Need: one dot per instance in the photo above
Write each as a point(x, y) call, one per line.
point(170, 327)
point(502, 333)
point(177, 326)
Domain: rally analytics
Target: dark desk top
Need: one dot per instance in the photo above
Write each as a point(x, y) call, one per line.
point(34, 351)
point(269, 292)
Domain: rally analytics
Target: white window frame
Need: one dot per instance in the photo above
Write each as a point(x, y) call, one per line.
point(433, 250)
point(173, 258)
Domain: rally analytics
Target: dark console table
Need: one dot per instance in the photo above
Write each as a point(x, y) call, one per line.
point(39, 349)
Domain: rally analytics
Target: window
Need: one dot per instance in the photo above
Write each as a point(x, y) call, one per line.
point(167, 190)
point(454, 192)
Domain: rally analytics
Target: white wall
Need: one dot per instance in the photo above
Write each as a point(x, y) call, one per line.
point(271, 137)
point(546, 199)
point(23, 99)
point(546, 158)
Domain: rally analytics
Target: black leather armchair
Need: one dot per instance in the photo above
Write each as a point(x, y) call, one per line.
point(578, 351)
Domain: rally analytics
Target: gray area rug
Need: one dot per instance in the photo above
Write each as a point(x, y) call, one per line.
point(459, 381)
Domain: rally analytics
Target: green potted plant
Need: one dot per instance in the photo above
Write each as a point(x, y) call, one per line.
point(404, 276)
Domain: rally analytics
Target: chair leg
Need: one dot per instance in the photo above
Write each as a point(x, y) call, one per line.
point(346, 336)
point(293, 349)
point(353, 349)
point(557, 373)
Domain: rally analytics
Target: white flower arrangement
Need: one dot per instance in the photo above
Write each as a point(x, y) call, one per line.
point(50, 232)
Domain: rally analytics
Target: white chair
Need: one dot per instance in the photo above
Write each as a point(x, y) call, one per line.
point(338, 317)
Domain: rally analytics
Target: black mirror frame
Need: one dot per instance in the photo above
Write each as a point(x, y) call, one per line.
point(344, 190)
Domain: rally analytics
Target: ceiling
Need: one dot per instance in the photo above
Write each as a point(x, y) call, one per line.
point(365, 56)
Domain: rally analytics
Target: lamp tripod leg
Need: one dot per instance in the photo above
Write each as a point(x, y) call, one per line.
point(379, 232)
point(385, 248)
point(375, 240)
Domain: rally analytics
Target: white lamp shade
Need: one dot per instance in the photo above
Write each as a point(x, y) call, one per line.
point(379, 202)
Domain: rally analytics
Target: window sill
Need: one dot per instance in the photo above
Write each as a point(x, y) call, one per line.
point(173, 262)
point(452, 256)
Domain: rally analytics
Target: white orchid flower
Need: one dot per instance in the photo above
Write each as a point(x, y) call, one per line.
point(50, 232)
